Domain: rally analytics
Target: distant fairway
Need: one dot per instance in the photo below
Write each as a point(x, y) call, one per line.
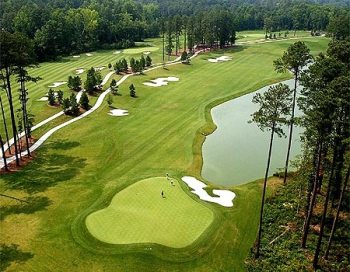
point(140, 50)
point(139, 214)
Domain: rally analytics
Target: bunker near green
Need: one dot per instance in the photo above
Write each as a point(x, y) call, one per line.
point(154, 210)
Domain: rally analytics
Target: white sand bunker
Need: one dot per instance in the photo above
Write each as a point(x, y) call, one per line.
point(77, 56)
point(118, 112)
point(116, 52)
point(79, 71)
point(224, 197)
point(57, 84)
point(89, 54)
point(147, 53)
point(220, 59)
point(99, 68)
point(44, 98)
point(162, 81)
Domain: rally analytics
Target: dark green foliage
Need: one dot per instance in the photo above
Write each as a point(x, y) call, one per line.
point(93, 79)
point(11, 253)
point(148, 61)
point(114, 87)
point(109, 66)
point(74, 106)
point(184, 57)
point(66, 105)
point(109, 100)
point(51, 97)
point(132, 90)
point(74, 83)
point(142, 62)
point(84, 101)
point(60, 97)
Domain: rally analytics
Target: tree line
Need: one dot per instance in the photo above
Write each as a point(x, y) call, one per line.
point(64, 27)
point(325, 103)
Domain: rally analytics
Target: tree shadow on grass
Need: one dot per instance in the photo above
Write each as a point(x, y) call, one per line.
point(11, 253)
point(32, 205)
point(46, 170)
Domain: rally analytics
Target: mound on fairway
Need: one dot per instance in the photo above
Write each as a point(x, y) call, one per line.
point(139, 214)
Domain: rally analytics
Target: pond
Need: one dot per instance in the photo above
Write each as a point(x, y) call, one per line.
point(236, 152)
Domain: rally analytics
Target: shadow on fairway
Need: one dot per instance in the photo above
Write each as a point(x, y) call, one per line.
point(47, 169)
point(11, 253)
point(32, 205)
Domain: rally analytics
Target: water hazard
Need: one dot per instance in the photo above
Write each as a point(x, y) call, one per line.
point(236, 152)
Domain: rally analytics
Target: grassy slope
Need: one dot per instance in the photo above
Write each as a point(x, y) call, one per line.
point(84, 165)
point(131, 216)
point(51, 72)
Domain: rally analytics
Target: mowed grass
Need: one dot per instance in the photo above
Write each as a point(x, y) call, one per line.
point(83, 166)
point(254, 35)
point(131, 216)
point(59, 71)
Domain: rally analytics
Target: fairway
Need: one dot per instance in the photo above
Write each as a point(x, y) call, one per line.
point(99, 161)
point(139, 214)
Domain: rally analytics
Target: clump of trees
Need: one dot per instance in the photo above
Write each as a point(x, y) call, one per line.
point(74, 83)
point(93, 81)
point(121, 66)
point(137, 66)
point(324, 166)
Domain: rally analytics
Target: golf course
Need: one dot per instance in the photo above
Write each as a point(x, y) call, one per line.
point(97, 191)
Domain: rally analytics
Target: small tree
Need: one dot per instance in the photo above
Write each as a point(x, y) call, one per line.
point(110, 100)
point(184, 57)
point(51, 97)
point(84, 101)
point(74, 106)
point(132, 64)
point(142, 62)
point(109, 66)
point(148, 61)
point(275, 105)
point(59, 97)
point(124, 65)
point(66, 105)
point(74, 83)
point(132, 90)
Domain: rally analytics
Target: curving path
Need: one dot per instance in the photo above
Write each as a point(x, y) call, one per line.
point(98, 103)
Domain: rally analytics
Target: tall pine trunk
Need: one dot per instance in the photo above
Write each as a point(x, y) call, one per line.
point(264, 192)
point(313, 199)
point(24, 108)
point(291, 128)
point(12, 113)
point(3, 154)
point(5, 124)
point(335, 221)
point(324, 214)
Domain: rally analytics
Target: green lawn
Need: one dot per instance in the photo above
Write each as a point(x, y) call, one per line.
point(131, 216)
point(254, 35)
point(83, 166)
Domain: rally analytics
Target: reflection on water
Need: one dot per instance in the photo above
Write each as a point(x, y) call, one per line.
point(236, 152)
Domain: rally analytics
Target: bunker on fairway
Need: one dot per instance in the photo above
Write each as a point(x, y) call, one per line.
point(139, 214)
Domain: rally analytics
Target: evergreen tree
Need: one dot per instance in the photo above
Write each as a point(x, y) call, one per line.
point(132, 90)
point(51, 97)
point(84, 101)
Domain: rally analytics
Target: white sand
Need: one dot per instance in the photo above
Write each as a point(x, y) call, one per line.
point(57, 84)
point(44, 98)
point(116, 52)
point(224, 197)
point(161, 81)
point(220, 59)
point(89, 54)
point(77, 56)
point(99, 68)
point(118, 112)
point(79, 71)
point(147, 53)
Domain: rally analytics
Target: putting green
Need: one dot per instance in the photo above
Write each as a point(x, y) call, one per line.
point(139, 214)
point(139, 50)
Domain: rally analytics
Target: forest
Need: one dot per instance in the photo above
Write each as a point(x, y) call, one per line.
point(64, 27)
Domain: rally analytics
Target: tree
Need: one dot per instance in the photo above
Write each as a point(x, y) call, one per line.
point(124, 65)
point(109, 66)
point(132, 90)
point(275, 106)
point(3, 154)
point(184, 57)
point(133, 65)
point(142, 62)
point(148, 61)
point(93, 79)
point(60, 97)
point(74, 83)
point(84, 101)
point(51, 97)
point(66, 105)
point(74, 106)
point(294, 59)
point(114, 87)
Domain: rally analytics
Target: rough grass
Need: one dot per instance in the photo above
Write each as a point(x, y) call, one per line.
point(85, 164)
point(131, 216)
